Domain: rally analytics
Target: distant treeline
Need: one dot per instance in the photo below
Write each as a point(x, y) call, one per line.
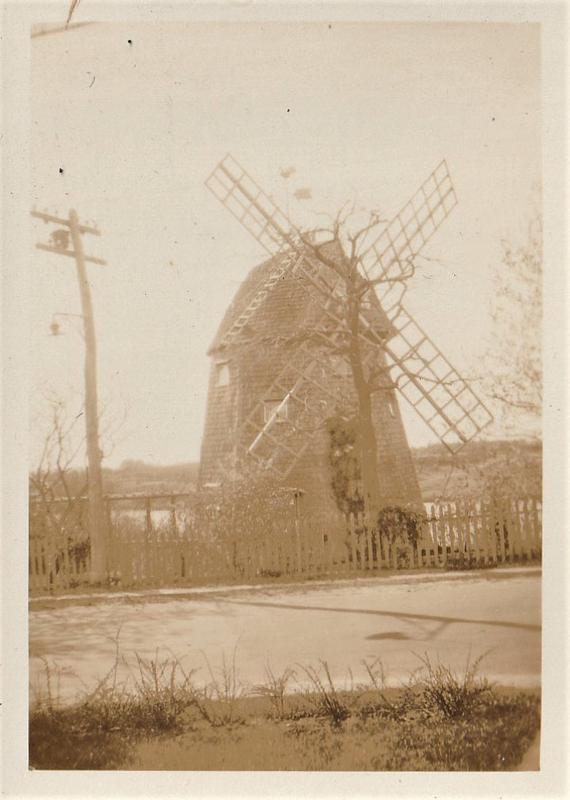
point(138, 476)
point(479, 450)
point(505, 467)
point(514, 465)
point(133, 477)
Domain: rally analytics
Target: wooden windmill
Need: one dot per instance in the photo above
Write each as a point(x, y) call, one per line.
point(279, 428)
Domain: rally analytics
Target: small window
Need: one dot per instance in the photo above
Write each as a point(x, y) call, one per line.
point(391, 408)
point(340, 366)
point(270, 407)
point(222, 373)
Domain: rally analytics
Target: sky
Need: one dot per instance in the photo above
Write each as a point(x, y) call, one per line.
point(129, 120)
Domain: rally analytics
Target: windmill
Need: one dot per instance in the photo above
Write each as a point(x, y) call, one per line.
point(308, 384)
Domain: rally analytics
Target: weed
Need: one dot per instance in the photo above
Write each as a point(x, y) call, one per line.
point(96, 730)
point(274, 689)
point(48, 696)
point(438, 722)
point(163, 691)
point(375, 671)
point(376, 693)
point(442, 690)
point(324, 696)
point(216, 703)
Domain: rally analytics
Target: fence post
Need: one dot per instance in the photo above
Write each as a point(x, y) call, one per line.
point(427, 532)
point(298, 542)
point(436, 534)
point(112, 548)
point(479, 522)
point(525, 528)
point(500, 526)
point(148, 535)
point(464, 527)
point(464, 531)
point(536, 506)
point(489, 528)
point(351, 541)
point(517, 532)
point(443, 530)
point(368, 544)
point(173, 521)
point(455, 532)
point(466, 534)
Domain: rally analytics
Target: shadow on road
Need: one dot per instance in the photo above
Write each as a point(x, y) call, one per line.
point(402, 615)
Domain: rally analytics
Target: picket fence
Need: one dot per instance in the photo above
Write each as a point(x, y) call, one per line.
point(160, 546)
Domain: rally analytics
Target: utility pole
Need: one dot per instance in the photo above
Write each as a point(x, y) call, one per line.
point(67, 241)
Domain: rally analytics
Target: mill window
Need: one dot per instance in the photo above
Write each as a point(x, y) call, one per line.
point(391, 408)
point(222, 376)
point(270, 407)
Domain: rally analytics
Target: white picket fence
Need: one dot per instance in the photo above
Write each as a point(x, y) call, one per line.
point(169, 549)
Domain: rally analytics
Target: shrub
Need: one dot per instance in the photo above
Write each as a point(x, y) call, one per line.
point(441, 690)
point(395, 522)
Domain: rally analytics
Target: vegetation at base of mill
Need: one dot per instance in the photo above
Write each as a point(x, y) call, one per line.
point(391, 522)
point(346, 476)
point(296, 720)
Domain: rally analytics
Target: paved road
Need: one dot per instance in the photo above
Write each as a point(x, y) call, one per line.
point(447, 615)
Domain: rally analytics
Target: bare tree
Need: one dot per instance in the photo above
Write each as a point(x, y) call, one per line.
point(57, 486)
point(514, 360)
point(56, 509)
point(356, 301)
point(352, 331)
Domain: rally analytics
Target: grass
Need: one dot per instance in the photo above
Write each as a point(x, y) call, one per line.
point(164, 721)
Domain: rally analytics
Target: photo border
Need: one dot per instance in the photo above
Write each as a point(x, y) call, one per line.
point(551, 781)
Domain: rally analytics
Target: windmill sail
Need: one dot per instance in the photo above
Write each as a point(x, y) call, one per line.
point(432, 386)
point(390, 256)
point(421, 372)
point(256, 211)
point(309, 387)
point(307, 391)
point(251, 206)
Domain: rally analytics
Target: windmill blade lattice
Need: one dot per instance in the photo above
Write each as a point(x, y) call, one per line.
point(265, 221)
point(423, 375)
point(313, 384)
point(310, 391)
point(277, 443)
point(433, 387)
point(289, 263)
point(391, 255)
point(251, 206)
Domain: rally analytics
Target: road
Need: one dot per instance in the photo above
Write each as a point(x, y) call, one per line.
point(449, 616)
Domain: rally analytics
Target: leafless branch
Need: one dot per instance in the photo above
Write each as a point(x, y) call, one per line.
point(516, 403)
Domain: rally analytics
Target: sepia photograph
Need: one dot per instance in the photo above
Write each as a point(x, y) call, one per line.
point(285, 395)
